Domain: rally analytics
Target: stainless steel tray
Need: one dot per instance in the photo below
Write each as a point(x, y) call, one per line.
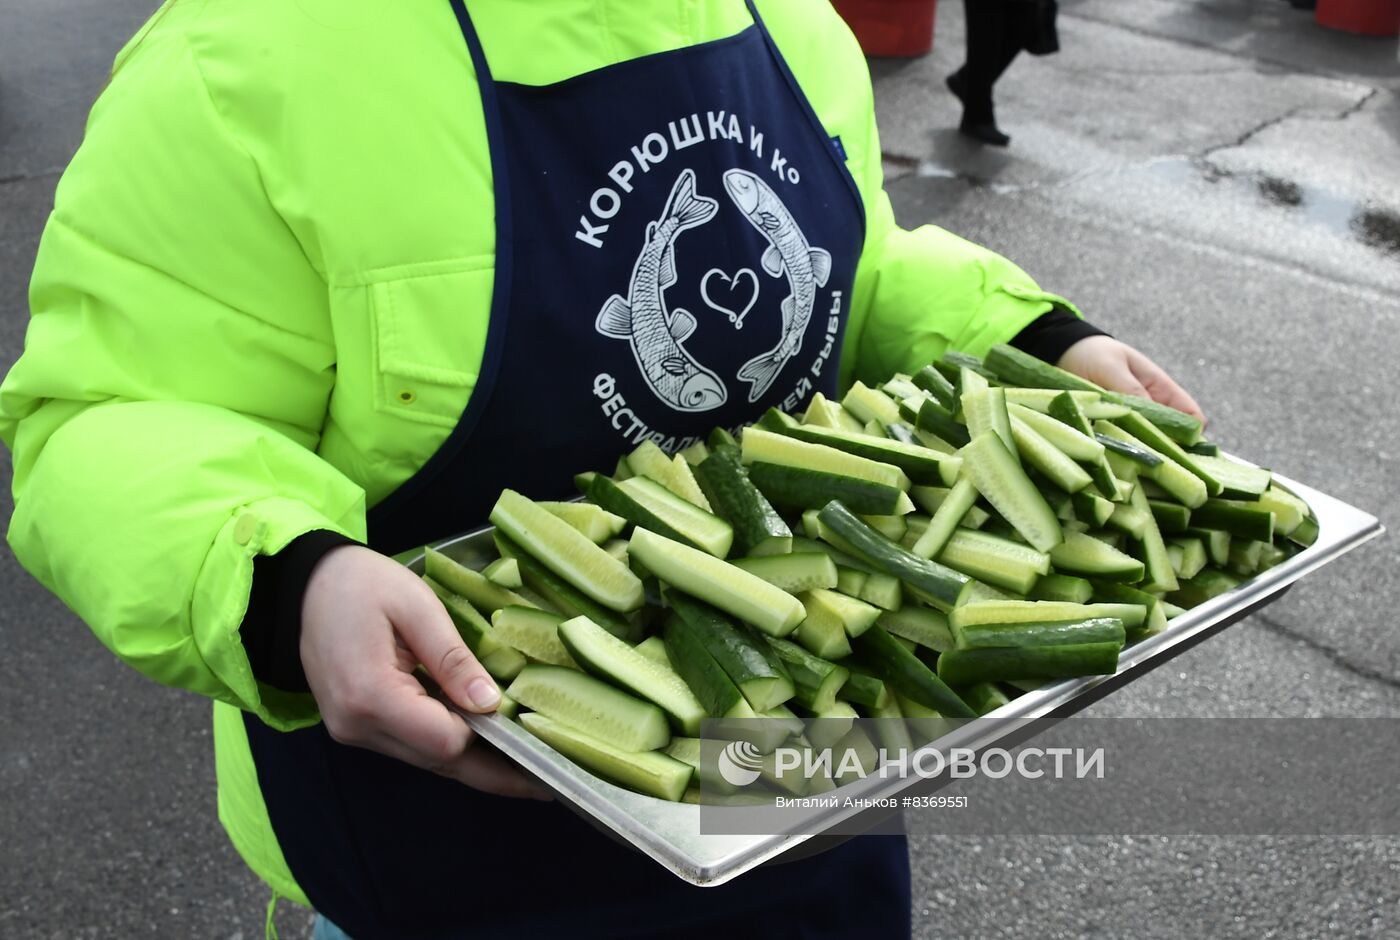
point(670, 832)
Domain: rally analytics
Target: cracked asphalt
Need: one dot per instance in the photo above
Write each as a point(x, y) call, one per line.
point(1214, 181)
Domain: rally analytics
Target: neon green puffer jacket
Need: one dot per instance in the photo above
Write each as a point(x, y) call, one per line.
point(279, 222)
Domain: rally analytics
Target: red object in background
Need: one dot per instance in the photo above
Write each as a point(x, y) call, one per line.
point(1368, 17)
point(901, 28)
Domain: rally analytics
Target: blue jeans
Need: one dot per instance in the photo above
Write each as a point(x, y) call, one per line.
point(325, 930)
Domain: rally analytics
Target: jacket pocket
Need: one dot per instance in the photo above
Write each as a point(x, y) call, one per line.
point(429, 335)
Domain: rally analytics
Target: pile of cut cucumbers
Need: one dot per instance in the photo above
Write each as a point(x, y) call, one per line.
point(924, 550)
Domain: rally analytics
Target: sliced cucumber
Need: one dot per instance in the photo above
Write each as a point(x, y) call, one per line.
point(984, 697)
point(1015, 367)
point(854, 616)
point(930, 498)
point(820, 412)
point(647, 772)
point(1054, 633)
point(591, 706)
point(830, 725)
point(995, 560)
point(1217, 543)
point(504, 572)
point(1040, 399)
point(1120, 442)
point(921, 464)
point(930, 581)
point(731, 589)
point(891, 527)
point(882, 590)
point(748, 661)
point(534, 633)
point(849, 581)
point(758, 529)
point(1047, 458)
point(985, 410)
point(596, 523)
point(794, 572)
point(1092, 508)
point(1236, 517)
point(1141, 608)
point(1175, 478)
point(688, 751)
point(500, 660)
point(936, 384)
point(1289, 511)
point(821, 632)
point(1130, 519)
point(563, 596)
point(815, 680)
point(867, 404)
point(923, 625)
point(767, 447)
point(1159, 575)
point(652, 462)
point(654, 649)
point(1043, 612)
point(711, 684)
point(1171, 517)
point(1147, 432)
point(907, 675)
point(473, 585)
point(1209, 584)
point(998, 476)
point(1237, 480)
point(1080, 553)
point(946, 518)
point(864, 688)
point(603, 654)
point(609, 494)
point(699, 527)
point(1067, 439)
point(800, 488)
point(1188, 556)
point(965, 667)
point(695, 454)
point(934, 419)
point(567, 552)
point(1062, 587)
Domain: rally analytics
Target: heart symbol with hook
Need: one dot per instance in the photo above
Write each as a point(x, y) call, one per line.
point(732, 296)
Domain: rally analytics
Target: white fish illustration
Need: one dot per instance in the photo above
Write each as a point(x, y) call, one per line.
point(641, 318)
point(807, 269)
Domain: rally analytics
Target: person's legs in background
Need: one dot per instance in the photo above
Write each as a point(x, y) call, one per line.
point(992, 43)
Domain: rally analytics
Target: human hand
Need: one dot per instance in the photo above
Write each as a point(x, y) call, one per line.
point(367, 622)
point(1121, 368)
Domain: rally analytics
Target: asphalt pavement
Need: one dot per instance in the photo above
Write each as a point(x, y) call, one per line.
point(1215, 181)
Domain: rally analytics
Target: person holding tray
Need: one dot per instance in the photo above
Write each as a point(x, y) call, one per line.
point(324, 278)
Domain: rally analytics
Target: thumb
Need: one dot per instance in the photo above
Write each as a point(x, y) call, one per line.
point(430, 635)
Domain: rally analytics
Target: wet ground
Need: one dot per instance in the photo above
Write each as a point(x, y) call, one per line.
point(1216, 181)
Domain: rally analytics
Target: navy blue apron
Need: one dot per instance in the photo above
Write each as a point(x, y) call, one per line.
point(676, 241)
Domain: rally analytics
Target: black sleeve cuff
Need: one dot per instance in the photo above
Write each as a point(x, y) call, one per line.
point(1049, 335)
point(271, 628)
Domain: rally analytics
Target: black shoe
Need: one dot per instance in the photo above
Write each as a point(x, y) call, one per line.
point(985, 133)
point(955, 85)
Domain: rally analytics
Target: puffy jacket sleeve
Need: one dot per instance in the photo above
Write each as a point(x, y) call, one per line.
point(164, 413)
point(918, 292)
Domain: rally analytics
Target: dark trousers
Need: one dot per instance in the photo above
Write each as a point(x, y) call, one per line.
point(994, 36)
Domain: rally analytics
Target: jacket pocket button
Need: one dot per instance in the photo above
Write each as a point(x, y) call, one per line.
point(245, 528)
point(407, 396)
